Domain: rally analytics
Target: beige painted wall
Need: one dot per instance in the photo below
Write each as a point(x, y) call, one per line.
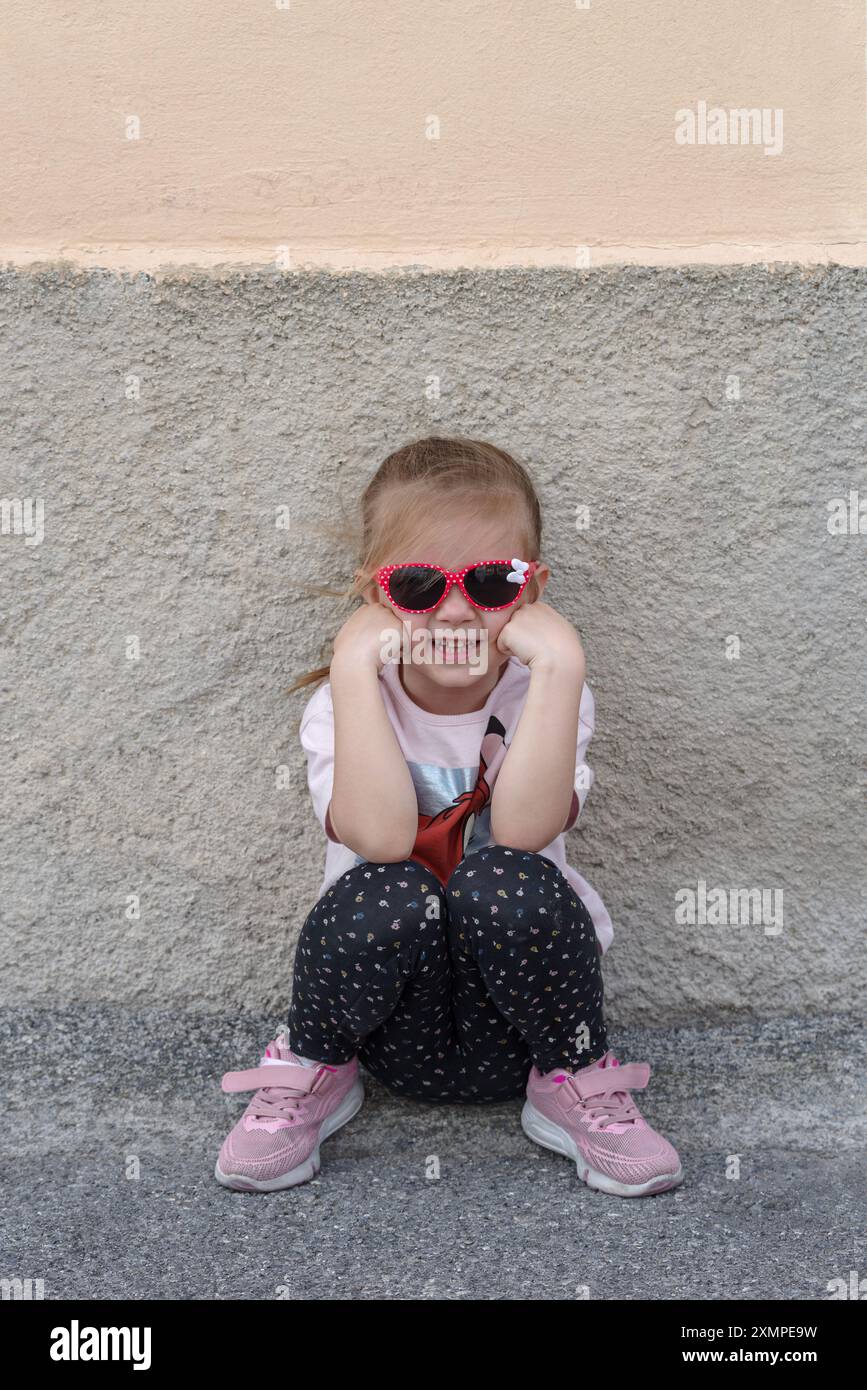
point(299, 132)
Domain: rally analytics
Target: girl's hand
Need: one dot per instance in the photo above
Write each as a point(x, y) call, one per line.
point(363, 637)
point(540, 637)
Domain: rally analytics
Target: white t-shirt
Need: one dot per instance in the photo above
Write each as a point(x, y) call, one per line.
point(453, 760)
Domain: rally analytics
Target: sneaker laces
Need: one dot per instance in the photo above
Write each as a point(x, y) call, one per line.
point(604, 1108)
point(277, 1102)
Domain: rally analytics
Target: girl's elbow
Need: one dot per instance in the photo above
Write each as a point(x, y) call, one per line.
point(526, 843)
point(528, 839)
point(384, 849)
point(395, 851)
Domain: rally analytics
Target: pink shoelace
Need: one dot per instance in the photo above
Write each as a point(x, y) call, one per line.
point(607, 1107)
point(278, 1102)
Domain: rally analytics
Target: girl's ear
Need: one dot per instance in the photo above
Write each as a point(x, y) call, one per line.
point(540, 578)
point(370, 591)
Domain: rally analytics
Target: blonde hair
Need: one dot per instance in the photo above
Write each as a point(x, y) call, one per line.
point(395, 508)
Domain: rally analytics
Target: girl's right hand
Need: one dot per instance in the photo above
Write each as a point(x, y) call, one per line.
point(366, 636)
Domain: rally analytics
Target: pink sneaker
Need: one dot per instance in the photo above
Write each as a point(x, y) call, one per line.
point(590, 1116)
point(275, 1143)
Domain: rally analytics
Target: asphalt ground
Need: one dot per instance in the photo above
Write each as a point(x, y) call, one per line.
point(114, 1117)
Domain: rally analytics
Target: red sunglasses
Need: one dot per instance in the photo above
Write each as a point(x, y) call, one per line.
point(488, 584)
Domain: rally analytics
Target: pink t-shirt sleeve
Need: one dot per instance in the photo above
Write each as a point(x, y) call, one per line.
point(583, 772)
point(317, 740)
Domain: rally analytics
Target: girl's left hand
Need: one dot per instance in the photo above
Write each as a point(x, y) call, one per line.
point(540, 636)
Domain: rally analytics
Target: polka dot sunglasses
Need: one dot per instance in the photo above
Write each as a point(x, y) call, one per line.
point(487, 584)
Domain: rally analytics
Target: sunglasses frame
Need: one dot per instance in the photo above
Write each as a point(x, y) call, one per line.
point(383, 577)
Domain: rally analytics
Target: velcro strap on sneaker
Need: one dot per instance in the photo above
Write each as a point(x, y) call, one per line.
point(275, 1074)
point(603, 1080)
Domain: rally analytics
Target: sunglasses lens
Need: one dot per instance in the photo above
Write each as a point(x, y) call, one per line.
point(415, 586)
point(488, 586)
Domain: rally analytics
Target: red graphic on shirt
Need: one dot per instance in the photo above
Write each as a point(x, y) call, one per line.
point(441, 839)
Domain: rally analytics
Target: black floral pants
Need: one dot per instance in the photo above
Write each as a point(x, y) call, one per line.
point(450, 994)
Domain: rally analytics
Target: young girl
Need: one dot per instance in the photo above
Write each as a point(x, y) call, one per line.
point(452, 950)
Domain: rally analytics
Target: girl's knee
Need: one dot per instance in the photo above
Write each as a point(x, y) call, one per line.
point(378, 904)
point(499, 872)
point(515, 889)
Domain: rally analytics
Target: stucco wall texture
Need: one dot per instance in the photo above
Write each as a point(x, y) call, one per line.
point(706, 417)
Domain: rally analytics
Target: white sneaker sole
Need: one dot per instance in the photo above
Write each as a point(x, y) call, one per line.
point(544, 1131)
point(349, 1106)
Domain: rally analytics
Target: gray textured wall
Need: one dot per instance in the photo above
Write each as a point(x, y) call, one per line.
point(156, 777)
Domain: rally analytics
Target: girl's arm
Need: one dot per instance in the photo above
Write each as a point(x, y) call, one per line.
point(532, 795)
point(373, 808)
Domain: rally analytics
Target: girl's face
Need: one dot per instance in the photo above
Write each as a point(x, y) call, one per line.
point(439, 658)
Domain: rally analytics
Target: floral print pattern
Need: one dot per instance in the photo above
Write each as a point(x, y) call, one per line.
point(450, 993)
